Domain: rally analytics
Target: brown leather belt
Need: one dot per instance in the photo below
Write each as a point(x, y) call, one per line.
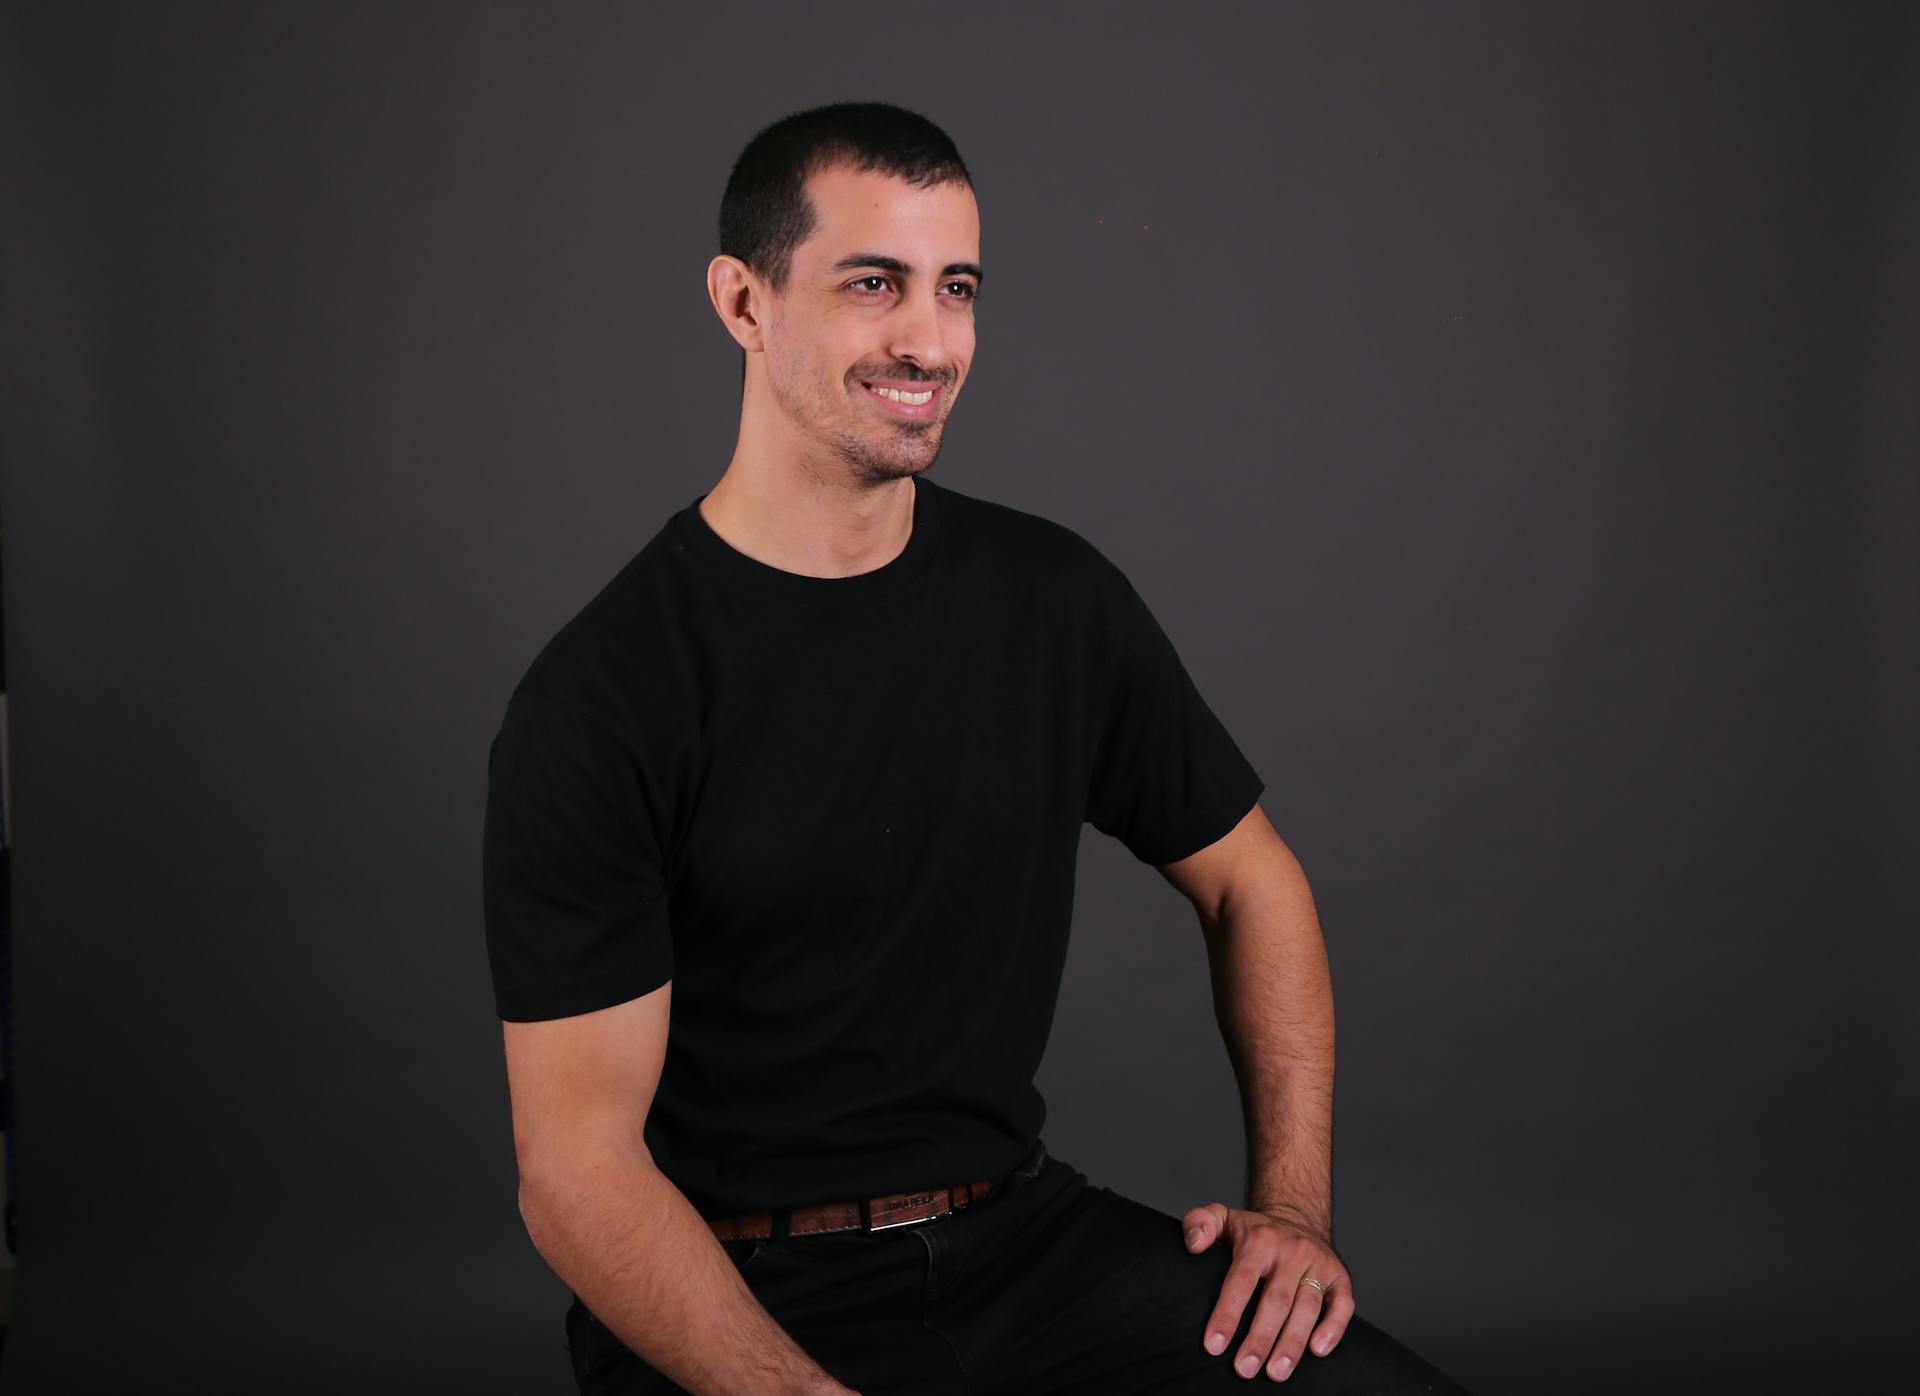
point(868, 1214)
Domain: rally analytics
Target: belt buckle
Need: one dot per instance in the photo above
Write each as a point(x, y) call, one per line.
point(866, 1207)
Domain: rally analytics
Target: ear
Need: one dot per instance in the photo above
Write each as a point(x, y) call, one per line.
point(738, 299)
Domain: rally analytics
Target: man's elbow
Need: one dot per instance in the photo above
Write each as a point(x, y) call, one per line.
point(530, 1218)
point(554, 1187)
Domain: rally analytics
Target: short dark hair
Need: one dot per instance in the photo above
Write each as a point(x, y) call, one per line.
point(764, 211)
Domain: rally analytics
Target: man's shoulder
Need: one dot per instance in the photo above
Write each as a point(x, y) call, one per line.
point(619, 656)
point(1002, 534)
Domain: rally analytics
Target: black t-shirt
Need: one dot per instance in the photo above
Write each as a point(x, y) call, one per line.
point(841, 815)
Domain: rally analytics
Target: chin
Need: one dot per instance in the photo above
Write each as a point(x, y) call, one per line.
point(880, 470)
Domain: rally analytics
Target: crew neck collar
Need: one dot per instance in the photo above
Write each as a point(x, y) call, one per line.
point(696, 533)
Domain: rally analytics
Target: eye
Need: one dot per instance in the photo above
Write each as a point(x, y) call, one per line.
point(968, 291)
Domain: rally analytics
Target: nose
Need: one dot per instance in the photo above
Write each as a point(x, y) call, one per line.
point(917, 336)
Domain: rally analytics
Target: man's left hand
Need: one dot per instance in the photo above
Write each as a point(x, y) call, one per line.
point(1286, 1250)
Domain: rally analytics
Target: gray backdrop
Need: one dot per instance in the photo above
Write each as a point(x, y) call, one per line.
point(1508, 410)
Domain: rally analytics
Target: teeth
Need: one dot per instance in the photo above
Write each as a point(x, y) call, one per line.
point(898, 396)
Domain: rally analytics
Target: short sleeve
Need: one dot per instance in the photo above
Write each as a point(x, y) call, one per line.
point(574, 889)
point(1167, 779)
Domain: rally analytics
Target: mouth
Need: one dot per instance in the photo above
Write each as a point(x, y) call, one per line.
point(883, 396)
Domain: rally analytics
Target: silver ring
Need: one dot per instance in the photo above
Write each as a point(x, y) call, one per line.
point(1310, 1280)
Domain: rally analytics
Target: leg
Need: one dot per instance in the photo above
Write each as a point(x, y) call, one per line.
point(851, 1300)
point(1076, 1289)
point(1157, 1308)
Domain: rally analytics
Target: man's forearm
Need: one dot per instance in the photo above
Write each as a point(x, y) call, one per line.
point(1273, 998)
point(639, 1255)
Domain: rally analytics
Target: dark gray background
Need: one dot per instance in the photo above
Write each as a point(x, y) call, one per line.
point(1508, 410)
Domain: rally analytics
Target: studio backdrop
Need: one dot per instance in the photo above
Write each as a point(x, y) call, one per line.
point(1508, 411)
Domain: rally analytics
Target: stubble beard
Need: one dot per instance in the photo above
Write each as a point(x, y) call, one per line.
point(914, 448)
point(873, 450)
point(878, 451)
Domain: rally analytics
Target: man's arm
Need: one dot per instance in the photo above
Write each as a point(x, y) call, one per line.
point(1273, 999)
point(614, 1228)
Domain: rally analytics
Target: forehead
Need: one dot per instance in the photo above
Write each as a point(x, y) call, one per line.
point(863, 209)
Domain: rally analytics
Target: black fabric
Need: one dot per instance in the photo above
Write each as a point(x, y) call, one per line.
point(841, 814)
point(1053, 1286)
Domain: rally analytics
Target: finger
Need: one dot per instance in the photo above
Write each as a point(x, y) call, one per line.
point(1293, 1336)
point(1333, 1318)
point(1201, 1224)
point(1269, 1320)
point(1242, 1278)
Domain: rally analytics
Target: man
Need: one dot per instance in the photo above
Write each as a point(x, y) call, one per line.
point(780, 846)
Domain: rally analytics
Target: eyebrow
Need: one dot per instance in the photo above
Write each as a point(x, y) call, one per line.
point(900, 268)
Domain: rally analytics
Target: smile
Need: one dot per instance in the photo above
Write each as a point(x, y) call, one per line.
point(906, 402)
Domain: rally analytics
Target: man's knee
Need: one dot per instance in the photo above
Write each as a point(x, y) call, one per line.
point(1371, 1362)
point(1177, 1292)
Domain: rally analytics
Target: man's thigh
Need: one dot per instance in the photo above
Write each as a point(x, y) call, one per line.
point(1105, 1297)
point(850, 1300)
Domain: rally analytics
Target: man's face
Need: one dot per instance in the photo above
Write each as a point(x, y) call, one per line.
point(880, 296)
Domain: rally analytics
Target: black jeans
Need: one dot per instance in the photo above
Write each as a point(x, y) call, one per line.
point(1049, 1285)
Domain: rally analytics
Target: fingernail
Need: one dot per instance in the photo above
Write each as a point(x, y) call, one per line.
point(1283, 1366)
point(1248, 1365)
point(1217, 1343)
point(1194, 1234)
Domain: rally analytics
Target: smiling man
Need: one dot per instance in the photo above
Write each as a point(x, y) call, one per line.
point(780, 845)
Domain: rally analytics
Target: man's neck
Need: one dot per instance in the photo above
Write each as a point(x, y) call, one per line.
point(808, 528)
